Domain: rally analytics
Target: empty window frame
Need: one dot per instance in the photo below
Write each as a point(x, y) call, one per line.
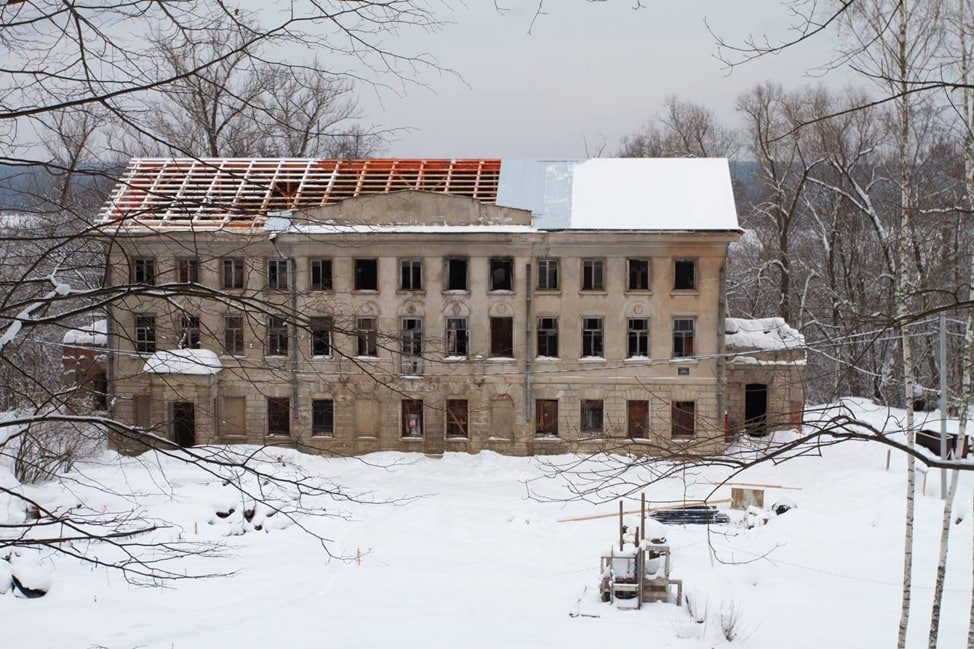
point(410, 274)
point(592, 337)
point(548, 274)
point(456, 337)
point(277, 273)
point(683, 337)
point(412, 345)
point(233, 335)
point(638, 338)
point(637, 419)
point(278, 416)
point(233, 272)
point(548, 337)
point(366, 274)
point(321, 275)
point(189, 332)
point(145, 334)
point(366, 335)
point(457, 418)
point(502, 337)
point(322, 417)
point(638, 271)
point(276, 336)
point(502, 274)
point(188, 270)
point(590, 419)
point(455, 272)
point(320, 328)
point(546, 418)
point(684, 275)
point(682, 420)
point(593, 274)
point(144, 270)
point(412, 418)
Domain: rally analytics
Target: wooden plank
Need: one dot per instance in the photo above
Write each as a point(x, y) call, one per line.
point(689, 503)
point(752, 484)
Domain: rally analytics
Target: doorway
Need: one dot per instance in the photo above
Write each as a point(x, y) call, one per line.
point(182, 417)
point(756, 409)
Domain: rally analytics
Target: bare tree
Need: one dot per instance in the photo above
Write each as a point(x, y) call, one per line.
point(73, 77)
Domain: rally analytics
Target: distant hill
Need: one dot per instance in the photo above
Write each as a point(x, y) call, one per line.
point(32, 188)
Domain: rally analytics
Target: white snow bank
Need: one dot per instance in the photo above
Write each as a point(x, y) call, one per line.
point(93, 335)
point(183, 361)
point(762, 333)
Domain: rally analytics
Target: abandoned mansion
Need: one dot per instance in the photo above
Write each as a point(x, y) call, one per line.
point(519, 306)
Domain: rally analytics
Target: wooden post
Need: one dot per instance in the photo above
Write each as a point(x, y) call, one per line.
point(620, 526)
point(642, 512)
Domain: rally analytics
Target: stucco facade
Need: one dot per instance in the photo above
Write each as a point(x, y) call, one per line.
point(425, 321)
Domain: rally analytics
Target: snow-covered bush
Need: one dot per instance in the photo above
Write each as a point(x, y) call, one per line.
point(46, 449)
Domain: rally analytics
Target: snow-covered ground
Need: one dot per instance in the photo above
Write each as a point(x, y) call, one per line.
point(471, 561)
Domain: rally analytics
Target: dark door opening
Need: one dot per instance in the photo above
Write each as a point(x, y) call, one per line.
point(756, 409)
point(182, 415)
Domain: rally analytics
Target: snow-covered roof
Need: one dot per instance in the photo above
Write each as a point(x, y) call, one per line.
point(655, 194)
point(668, 194)
point(93, 335)
point(764, 334)
point(183, 361)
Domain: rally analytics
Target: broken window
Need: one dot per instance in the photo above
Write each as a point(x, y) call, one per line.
point(233, 272)
point(144, 271)
point(502, 274)
point(456, 336)
point(410, 274)
point(412, 345)
point(366, 274)
point(321, 328)
point(638, 337)
point(502, 337)
point(637, 419)
point(638, 274)
point(457, 414)
point(278, 416)
point(592, 337)
point(682, 420)
point(683, 337)
point(546, 417)
point(145, 334)
point(189, 332)
point(233, 335)
point(456, 274)
point(321, 275)
point(322, 417)
point(593, 275)
point(277, 273)
point(276, 336)
point(366, 335)
point(547, 274)
point(591, 416)
point(684, 275)
point(188, 271)
point(412, 417)
point(548, 337)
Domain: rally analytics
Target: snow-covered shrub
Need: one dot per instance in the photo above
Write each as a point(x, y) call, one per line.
point(697, 605)
point(730, 621)
point(47, 449)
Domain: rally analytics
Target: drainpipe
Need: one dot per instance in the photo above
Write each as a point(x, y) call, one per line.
point(293, 349)
point(527, 346)
point(110, 334)
point(721, 317)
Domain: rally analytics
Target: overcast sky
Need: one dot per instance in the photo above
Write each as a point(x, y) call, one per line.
point(588, 74)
